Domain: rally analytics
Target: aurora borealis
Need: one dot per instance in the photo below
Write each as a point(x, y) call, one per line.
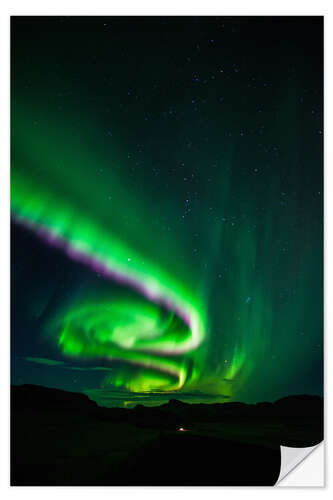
point(166, 199)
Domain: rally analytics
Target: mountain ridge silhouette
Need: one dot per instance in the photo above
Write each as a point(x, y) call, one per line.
point(61, 438)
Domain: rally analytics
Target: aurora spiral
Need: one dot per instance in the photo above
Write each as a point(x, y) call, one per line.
point(161, 330)
point(133, 332)
point(166, 204)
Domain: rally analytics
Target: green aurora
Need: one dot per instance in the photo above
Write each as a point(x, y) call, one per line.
point(202, 239)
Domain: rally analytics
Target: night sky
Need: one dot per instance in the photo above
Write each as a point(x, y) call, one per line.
point(167, 207)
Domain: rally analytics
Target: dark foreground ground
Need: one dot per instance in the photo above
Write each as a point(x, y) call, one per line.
point(65, 439)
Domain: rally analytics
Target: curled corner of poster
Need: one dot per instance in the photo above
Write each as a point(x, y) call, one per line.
point(302, 466)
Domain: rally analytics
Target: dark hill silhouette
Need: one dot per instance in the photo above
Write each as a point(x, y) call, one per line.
point(64, 438)
point(43, 398)
point(299, 405)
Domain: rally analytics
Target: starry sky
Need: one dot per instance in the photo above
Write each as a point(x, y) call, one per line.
point(167, 207)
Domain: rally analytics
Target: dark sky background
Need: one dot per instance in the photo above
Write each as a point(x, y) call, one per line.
point(185, 154)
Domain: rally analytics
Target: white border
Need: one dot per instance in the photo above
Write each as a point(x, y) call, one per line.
point(308, 471)
point(172, 7)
